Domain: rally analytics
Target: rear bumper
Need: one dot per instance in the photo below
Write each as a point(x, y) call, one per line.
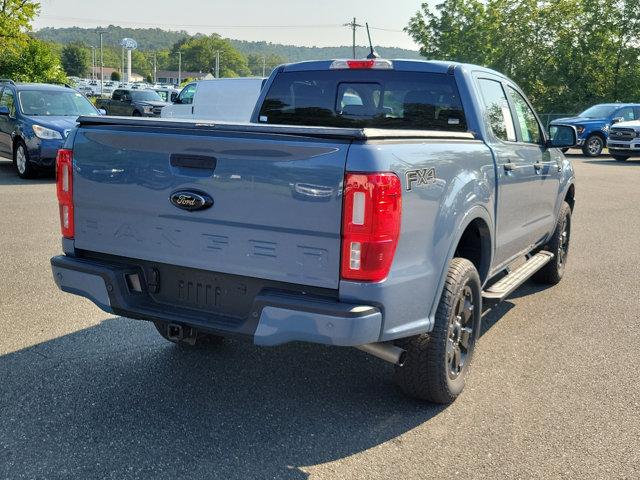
point(275, 317)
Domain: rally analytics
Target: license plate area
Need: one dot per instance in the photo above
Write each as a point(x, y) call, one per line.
point(222, 295)
point(218, 293)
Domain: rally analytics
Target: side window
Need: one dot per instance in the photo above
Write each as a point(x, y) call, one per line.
point(529, 127)
point(8, 100)
point(626, 113)
point(187, 94)
point(498, 112)
point(117, 95)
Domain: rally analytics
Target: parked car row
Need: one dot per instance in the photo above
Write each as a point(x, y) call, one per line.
point(595, 123)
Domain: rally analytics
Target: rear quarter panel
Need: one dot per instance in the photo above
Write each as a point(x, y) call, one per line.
point(434, 216)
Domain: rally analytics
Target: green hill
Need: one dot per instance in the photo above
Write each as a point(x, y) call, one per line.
point(158, 39)
point(147, 38)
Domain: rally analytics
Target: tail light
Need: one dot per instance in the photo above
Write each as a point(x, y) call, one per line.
point(370, 225)
point(64, 187)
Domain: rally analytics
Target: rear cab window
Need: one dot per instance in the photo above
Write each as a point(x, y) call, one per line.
point(365, 99)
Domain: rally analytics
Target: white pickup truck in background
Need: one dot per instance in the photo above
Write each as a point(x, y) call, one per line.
point(624, 140)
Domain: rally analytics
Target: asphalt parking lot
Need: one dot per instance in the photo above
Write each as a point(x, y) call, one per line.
point(554, 392)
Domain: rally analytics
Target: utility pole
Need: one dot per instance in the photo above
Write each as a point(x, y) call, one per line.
point(155, 68)
point(100, 32)
point(179, 68)
point(353, 25)
point(93, 62)
point(264, 66)
point(217, 63)
point(122, 66)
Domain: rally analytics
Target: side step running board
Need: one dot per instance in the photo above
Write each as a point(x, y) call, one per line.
point(507, 285)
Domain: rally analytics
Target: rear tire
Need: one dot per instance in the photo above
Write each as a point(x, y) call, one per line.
point(195, 338)
point(552, 272)
point(22, 162)
point(438, 363)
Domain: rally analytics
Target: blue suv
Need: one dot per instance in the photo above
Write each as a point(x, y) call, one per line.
point(593, 124)
point(35, 119)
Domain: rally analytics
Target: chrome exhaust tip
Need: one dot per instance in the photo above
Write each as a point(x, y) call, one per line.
point(385, 351)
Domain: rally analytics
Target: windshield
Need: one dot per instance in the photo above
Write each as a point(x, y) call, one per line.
point(365, 99)
point(55, 103)
point(145, 96)
point(598, 111)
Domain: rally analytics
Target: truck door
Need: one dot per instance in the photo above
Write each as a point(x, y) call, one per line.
point(542, 164)
point(514, 173)
point(183, 108)
point(114, 103)
point(123, 105)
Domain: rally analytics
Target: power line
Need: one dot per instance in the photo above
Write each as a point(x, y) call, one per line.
point(184, 25)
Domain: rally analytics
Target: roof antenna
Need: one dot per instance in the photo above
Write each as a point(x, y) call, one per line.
point(373, 53)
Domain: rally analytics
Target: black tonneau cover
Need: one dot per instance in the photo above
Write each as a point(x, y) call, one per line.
point(321, 132)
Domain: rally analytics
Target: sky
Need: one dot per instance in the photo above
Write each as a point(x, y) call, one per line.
point(292, 22)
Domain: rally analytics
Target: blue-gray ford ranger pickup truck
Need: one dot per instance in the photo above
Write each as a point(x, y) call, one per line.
point(369, 203)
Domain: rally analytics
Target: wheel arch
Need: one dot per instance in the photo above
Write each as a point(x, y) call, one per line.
point(570, 195)
point(477, 223)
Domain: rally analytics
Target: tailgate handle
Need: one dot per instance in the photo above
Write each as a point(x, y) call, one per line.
point(201, 162)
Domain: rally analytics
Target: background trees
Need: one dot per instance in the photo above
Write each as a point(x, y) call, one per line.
point(22, 57)
point(76, 59)
point(566, 54)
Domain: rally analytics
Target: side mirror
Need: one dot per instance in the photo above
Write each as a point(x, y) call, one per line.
point(4, 111)
point(102, 111)
point(174, 97)
point(562, 136)
point(617, 120)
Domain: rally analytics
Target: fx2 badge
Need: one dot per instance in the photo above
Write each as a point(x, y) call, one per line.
point(417, 178)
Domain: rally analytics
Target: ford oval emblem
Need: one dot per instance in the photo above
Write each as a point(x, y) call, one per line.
point(190, 200)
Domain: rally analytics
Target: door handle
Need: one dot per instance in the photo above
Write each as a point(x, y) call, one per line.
point(509, 167)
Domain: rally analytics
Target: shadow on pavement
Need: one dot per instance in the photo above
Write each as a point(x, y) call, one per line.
point(9, 176)
point(612, 162)
point(116, 401)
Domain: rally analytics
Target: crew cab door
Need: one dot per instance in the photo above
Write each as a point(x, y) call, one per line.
point(123, 104)
point(543, 167)
point(514, 173)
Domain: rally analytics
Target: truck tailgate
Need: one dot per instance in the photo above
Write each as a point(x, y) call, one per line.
point(276, 210)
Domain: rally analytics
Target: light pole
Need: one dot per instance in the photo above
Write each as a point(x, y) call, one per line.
point(217, 63)
point(179, 68)
point(100, 32)
point(264, 66)
point(155, 68)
